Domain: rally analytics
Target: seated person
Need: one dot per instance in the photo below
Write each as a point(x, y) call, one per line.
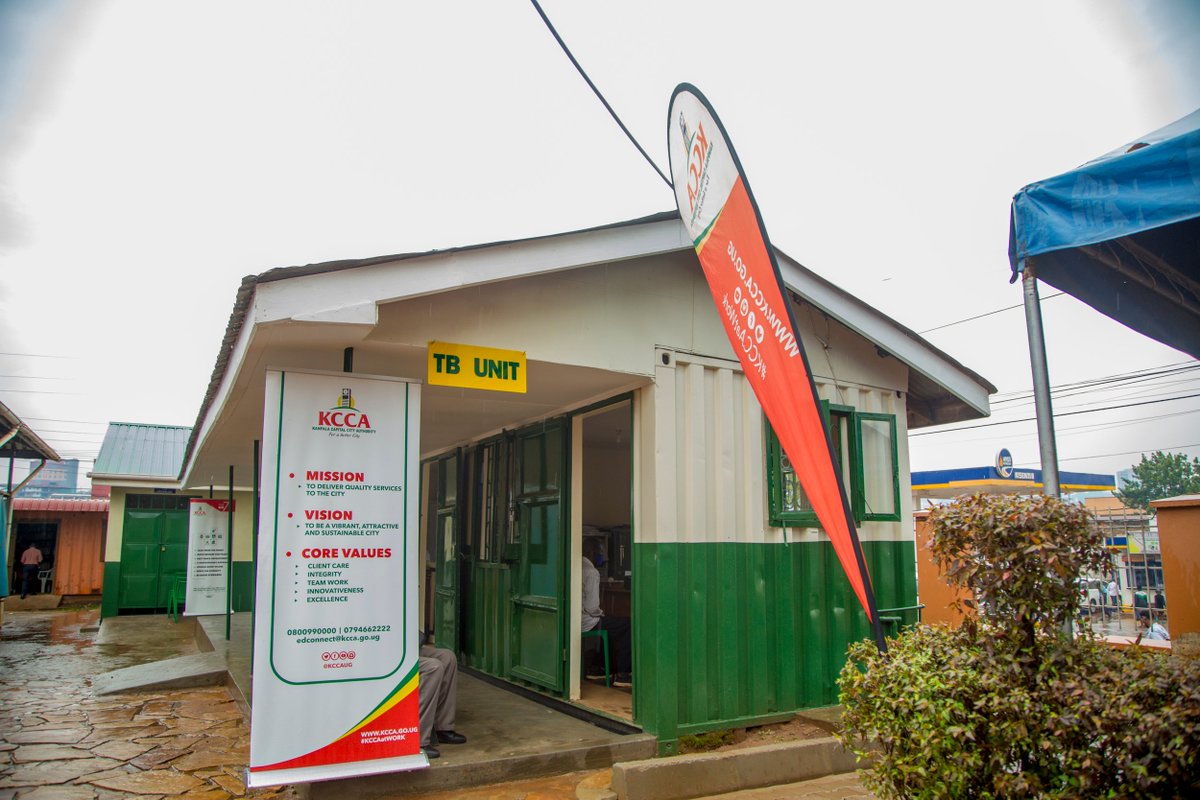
point(1152, 630)
point(437, 698)
point(595, 618)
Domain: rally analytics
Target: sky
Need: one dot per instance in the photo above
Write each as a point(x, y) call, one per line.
point(153, 153)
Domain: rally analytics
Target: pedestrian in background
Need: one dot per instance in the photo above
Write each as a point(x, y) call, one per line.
point(1114, 597)
point(1141, 603)
point(31, 562)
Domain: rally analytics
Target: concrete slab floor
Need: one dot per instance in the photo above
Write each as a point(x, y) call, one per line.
point(508, 736)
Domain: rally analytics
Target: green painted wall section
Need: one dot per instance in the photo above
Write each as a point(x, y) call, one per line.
point(108, 596)
point(728, 634)
point(243, 587)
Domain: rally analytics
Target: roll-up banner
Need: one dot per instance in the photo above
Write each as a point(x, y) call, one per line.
point(207, 558)
point(726, 228)
point(335, 642)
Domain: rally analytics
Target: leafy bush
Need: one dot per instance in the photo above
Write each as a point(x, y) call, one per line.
point(1007, 705)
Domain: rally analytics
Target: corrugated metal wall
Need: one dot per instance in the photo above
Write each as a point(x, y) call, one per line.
point(736, 622)
point(78, 562)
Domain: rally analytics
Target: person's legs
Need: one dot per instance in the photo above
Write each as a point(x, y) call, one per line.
point(429, 688)
point(447, 697)
point(619, 643)
point(28, 578)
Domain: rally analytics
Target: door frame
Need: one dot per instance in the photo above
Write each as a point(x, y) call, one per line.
point(447, 581)
point(574, 566)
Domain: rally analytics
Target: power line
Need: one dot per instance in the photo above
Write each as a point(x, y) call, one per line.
point(1108, 386)
point(1083, 430)
point(38, 355)
point(596, 91)
point(37, 391)
point(1122, 397)
point(986, 314)
point(1131, 452)
point(45, 431)
point(1057, 415)
point(1080, 430)
point(1136, 376)
point(1064, 410)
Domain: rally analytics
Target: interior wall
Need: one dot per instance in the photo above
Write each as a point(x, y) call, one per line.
point(606, 470)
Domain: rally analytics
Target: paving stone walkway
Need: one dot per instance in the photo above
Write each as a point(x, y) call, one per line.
point(59, 740)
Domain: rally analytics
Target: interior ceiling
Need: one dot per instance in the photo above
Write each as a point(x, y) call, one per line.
point(449, 416)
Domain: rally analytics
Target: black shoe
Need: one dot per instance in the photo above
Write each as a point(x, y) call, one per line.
point(431, 752)
point(623, 679)
point(451, 737)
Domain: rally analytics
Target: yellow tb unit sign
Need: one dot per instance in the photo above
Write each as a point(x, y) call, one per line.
point(471, 367)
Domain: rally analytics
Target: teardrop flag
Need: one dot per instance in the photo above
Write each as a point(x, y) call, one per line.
point(726, 228)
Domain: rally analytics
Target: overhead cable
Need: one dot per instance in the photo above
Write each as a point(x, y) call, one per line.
point(596, 91)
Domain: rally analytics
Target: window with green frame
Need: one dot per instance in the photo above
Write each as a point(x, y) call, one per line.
point(865, 447)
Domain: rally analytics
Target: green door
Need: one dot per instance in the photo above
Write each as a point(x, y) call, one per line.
point(153, 549)
point(492, 555)
point(538, 600)
point(446, 562)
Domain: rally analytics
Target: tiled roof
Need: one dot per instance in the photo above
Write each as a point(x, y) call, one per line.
point(142, 451)
point(85, 504)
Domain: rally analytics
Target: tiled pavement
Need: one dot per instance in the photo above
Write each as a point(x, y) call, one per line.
point(61, 741)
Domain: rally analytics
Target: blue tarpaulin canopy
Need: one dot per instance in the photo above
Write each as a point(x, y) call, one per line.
point(1122, 234)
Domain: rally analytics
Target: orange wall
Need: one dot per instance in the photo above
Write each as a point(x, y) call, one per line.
point(932, 588)
point(78, 562)
point(1179, 540)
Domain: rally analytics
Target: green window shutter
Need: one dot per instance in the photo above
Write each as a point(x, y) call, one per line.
point(866, 450)
point(877, 475)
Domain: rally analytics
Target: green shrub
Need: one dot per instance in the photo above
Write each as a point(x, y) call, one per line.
point(1007, 705)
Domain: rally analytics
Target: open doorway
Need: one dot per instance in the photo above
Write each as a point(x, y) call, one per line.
point(603, 492)
point(43, 535)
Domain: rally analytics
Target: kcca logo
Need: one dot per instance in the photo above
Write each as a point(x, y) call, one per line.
point(698, 149)
point(344, 414)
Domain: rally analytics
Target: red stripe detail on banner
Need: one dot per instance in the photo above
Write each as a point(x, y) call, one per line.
point(752, 308)
point(394, 733)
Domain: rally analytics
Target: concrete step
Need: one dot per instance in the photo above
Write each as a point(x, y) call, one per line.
point(201, 669)
point(444, 775)
point(33, 602)
point(700, 775)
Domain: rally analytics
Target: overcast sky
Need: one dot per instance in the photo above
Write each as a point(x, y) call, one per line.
point(152, 153)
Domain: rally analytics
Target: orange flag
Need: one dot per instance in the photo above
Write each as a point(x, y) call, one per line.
point(719, 211)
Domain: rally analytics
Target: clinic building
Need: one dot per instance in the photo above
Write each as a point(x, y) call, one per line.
point(636, 427)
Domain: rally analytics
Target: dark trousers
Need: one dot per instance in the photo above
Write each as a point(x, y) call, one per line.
point(28, 578)
point(618, 643)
